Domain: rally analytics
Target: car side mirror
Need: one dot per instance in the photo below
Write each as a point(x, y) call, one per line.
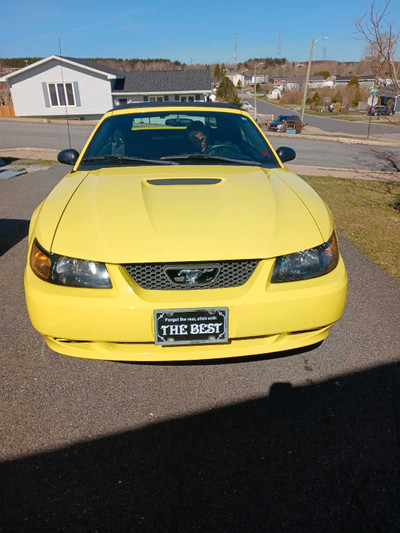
point(68, 156)
point(285, 153)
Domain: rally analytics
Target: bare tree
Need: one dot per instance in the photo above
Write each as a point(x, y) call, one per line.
point(382, 38)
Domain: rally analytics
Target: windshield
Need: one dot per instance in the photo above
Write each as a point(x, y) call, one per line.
point(180, 137)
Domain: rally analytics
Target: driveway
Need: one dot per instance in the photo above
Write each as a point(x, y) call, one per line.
point(301, 441)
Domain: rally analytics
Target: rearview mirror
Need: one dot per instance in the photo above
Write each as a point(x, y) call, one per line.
point(68, 156)
point(285, 153)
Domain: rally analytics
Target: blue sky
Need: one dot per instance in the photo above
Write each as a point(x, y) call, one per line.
point(187, 31)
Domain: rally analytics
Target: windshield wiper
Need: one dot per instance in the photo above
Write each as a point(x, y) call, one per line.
point(211, 158)
point(122, 158)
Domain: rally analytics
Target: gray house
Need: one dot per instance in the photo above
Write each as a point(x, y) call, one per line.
point(163, 86)
point(58, 86)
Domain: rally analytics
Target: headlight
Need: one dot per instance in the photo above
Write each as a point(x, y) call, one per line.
point(68, 271)
point(307, 264)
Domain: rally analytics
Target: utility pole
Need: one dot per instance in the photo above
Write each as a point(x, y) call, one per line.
point(255, 91)
point(313, 42)
point(235, 59)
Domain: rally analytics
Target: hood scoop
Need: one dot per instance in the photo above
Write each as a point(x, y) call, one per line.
point(184, 181)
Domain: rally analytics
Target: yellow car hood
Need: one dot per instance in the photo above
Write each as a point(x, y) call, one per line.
point(145, 214)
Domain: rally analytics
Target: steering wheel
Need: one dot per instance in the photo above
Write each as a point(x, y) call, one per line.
point(216, 149)
point(222, 148)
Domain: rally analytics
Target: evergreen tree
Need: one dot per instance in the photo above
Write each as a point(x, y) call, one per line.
point(227, 92)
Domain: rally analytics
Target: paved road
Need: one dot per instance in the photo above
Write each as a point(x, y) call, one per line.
point(337, 155)
point(303, 442)
point(19, 134)
point(309, 152)
point(330, 124)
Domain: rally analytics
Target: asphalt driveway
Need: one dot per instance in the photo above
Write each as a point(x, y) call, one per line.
point(301, 441)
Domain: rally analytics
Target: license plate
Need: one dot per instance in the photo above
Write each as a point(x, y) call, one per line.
point(191, 326)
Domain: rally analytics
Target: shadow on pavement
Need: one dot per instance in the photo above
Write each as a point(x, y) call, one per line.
point(12, 231)
point(323, 457)
point(226, 360)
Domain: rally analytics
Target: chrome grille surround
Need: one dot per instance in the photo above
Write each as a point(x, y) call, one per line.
point(152, 276)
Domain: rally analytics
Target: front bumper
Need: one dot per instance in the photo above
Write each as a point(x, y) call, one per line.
point(117, 323)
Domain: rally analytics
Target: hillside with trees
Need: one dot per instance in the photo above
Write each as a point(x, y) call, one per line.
point(271, 66)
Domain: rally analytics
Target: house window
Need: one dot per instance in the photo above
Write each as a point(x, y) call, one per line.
point(61, 94)
point(189, 98)
point(197, 97)
point(177, 98)
point(166, 98)
point(145, 98)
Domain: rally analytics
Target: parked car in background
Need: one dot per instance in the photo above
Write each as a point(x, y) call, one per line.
point(247, 105)
point(285, 122)
point(376, 110)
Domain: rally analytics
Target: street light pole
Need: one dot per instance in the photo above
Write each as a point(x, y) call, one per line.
point(255, 91)
point(308, 76)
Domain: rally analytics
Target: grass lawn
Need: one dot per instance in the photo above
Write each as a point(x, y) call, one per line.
point(364, 213)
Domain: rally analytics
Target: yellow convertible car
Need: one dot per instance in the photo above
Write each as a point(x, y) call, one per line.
point(180, 235)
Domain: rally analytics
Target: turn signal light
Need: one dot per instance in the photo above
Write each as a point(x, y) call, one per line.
point(40, 262)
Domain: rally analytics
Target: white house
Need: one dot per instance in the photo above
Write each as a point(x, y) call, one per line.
point(247, 79)
point(58, 86)
point(290, 84)
point(259, 78)
point(275, 94)
point(235, 78)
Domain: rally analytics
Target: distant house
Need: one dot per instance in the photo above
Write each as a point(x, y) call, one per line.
point(298, 82)
point(56, 86)
point(260, 78)
point(275, 94)
point(235, 78)
point(364, 81)
point(247, 79)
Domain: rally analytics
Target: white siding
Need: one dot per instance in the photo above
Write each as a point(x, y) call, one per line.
point(28, 98)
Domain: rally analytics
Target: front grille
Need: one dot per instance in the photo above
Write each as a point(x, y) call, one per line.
point(152, 276)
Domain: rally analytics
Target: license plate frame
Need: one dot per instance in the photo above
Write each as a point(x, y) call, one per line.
point(164, 335)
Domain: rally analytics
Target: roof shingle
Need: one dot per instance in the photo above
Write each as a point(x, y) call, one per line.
point(95, 65)
point(167, 80)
